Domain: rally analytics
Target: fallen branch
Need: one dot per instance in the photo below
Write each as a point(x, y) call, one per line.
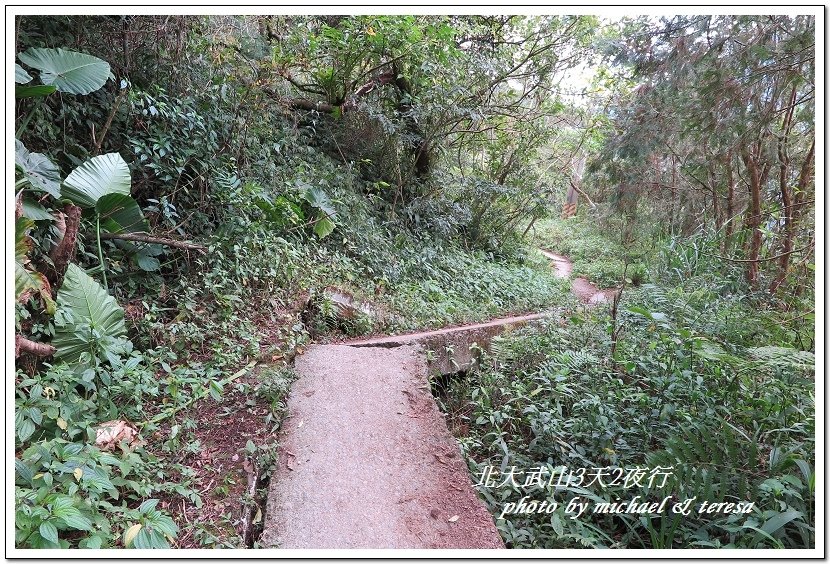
point(250, 505)
point(144, 238)
point(22, 344)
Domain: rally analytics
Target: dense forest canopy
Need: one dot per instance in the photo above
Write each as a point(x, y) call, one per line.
point(195, 195)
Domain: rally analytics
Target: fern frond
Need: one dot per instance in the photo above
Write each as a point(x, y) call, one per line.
point(710, 462)
point(783, 358)
point(574, 361)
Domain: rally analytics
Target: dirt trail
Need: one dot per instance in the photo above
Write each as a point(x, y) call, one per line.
point(366, 460)
point(581, 287)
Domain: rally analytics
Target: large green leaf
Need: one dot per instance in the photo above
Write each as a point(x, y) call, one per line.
point(41, 173)
point(320, 200)
point(323, 227)
point(120, 213)
point(33, 210)
point(99, 176)
point(94, 316)
point(20, 75)
point(68, 71)
point(38, 91)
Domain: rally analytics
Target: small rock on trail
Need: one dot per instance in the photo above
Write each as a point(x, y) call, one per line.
point(366, 460)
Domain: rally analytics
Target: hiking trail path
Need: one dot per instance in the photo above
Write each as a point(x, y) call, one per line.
point(366, 459)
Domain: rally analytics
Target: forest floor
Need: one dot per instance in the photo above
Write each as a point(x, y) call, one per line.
point(223, 429)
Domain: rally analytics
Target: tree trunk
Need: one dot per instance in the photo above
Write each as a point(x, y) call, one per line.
point(63, 253)
point(713, 187)
point(673, 192)
point(791, 215)
point(730, 203)
point(786, 194)
point(753, 220)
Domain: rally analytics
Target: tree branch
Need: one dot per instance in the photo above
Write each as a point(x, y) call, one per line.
point(144, 238)
point(22, 344)
point(580, 192)
point(767, 259)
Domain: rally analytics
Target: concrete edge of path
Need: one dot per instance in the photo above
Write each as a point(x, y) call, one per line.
point(425, 336)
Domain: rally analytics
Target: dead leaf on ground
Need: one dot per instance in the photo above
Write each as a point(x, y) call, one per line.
point(110, 433)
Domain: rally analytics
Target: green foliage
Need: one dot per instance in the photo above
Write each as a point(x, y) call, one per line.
point(152, 530)
point(20, 75)
point(99, 176)
point(68, 492)
point(40, 173)
point(697, 383)
point(68, 71)
point(88, 322)
point(678, 146)
point(119, 213)
point(550, 408)
point(175, 145)
point(26, 280)
point(325, 213)
point(441, 285)
point(203, 141)
point(597, 253)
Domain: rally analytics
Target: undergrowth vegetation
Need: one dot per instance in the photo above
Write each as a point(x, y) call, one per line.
point(600, 255)
point(702, 381)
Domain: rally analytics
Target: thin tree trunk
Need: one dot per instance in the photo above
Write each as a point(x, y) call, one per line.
point(64, 252)
point(730, 203)
point(673, 191)
point(791, 215)
point(753, 220)
point(713, 186)
point(786, 193)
